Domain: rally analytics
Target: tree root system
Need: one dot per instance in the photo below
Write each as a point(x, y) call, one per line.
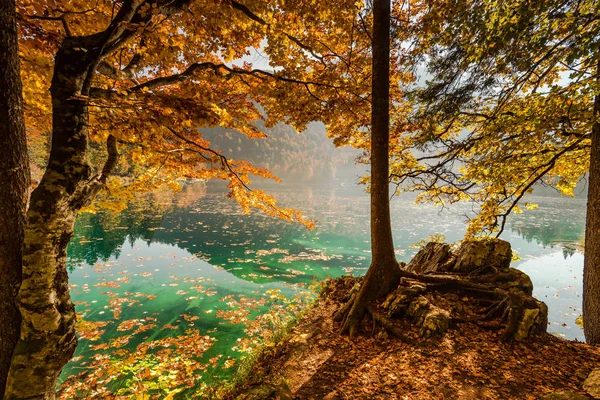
point(496, 298)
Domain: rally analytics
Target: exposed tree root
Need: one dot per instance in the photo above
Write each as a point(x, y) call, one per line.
point(352, 320)
point(389, 326)
point(342, 312)
point(381, 279)
point(492, 310)
point(474, 284)
point(513, 308)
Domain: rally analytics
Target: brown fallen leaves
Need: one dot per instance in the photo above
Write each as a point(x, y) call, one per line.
point(467, 363)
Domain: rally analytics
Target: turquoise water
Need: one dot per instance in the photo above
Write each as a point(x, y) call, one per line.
point(195, 260)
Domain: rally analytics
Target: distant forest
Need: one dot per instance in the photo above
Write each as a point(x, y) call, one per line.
point(307, 156)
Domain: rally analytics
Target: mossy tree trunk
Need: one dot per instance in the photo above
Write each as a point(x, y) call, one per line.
point(14, 184)
point(47, 334)
point(591, 268)
point(383, 274)
point(48, 339)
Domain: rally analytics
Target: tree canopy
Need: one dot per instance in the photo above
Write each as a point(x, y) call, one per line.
point(511, 100)
point(506, 103)
point(166, 69)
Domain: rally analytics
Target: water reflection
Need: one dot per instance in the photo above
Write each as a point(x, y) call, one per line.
point(557, 222)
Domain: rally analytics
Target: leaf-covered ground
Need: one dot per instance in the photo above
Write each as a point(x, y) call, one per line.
point(467, 363)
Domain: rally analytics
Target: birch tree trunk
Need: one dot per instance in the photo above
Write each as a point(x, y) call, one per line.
point(48, 338)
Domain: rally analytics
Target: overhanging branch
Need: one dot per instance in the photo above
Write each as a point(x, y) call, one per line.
point(175, 78)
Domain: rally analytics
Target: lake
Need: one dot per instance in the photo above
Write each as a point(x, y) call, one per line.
point(193, 265)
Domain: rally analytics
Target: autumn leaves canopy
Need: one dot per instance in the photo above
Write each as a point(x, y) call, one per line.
point(509, 86)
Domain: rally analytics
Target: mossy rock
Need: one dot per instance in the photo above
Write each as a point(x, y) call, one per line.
point(433, 257)
point(518, 280)
point(432, 321)
point(435, 323)
point(533, 320)
point(473, 255)
point(396, 303)
point(592, 384)
point(418, 309)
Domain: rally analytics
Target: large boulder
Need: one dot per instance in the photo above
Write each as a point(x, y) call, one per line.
point(471, 256)
point(478, 267)
point(433, 257)
point(474, 255)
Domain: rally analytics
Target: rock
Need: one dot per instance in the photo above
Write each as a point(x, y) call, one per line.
point(435, 323)
point(515, 279)
point(433, 257)
point(592, 384)
point(397, 302)
point(533, 320)
point(564, 395)
point(418, 308)
point(473, 255)
point(485, 262)
point(432, 320)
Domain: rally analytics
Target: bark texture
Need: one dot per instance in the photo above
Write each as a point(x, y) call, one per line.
point(48, 339)
point(14, 184)
point(591, 267)
point(383, 274)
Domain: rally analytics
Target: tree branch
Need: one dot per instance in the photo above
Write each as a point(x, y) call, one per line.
point(61, 19)
point(244, 9)
point(167, 80)
point(112, 159)
point(533, 179)
point(222, 159)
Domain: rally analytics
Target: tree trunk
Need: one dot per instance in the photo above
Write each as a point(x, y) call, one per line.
point(48, 338)
point(591, 267)
point(383, 274)
point(14, 181)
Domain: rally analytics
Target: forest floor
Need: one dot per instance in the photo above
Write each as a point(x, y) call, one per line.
point(316, 362)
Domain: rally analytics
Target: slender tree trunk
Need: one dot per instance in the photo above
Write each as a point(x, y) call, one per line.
point(48, 338)
point(14, 184)
point(383, 274)
point(591, 267)
point(382, 245)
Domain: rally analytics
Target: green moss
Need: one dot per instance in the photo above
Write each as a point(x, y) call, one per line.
point(531, 320)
